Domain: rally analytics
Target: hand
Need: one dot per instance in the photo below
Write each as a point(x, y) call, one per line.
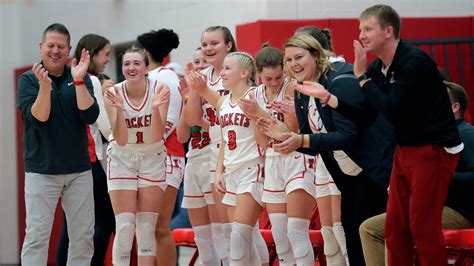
point(79, 70)
point(183, 88)
point(293, 141)
point(42, 75)
point(273, 128)
point(250, 107)
point(112, 94)
point(312, 89)
point(287, 106)
point(196, 81)
point(106, 84)
point(219, 183)
point(160, 98)
point(360, 59)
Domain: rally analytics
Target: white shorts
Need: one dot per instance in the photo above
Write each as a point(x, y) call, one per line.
point(248, 179)
point(174, 170)
point(197, 188)
point(325, 185)
point(284, 174)
point(213, 161)
point(132, 169)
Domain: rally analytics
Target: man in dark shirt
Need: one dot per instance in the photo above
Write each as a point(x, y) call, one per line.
point(404, 84)
point(56, 102)
point(459, 210)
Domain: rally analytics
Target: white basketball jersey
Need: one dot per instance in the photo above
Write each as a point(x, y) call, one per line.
point(199, 143)
point(209, 110)
point(346, 164)
point(262, 101)
point(241, 146)
point(138, 119)
point(169, 77)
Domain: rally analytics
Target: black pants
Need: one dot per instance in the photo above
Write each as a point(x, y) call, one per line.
point(361, 198)
point(104, 221)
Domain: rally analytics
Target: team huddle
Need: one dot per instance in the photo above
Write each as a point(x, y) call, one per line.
point(285, 131)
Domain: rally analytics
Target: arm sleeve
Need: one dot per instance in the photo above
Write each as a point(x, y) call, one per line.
point(28, 88)
point(176, 101)
point(89, 116)
point(102, 121)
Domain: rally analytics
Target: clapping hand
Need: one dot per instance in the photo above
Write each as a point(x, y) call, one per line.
point(79, 69)
point(273, 128)
point(42, 75)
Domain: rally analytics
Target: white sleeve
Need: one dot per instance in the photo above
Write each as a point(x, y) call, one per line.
point(176, 101)
point(103, 120)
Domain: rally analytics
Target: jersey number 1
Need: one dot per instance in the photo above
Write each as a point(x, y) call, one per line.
point(139, 137)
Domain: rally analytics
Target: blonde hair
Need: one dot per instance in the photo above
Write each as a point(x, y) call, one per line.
point(307, 42)
point(246, 61)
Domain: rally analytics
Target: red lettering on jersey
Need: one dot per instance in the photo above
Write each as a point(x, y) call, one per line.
point(138, 122)
point(212, 117)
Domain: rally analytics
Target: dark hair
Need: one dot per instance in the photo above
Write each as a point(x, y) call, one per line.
point(386, 16)
point(457, 94)
point(158, 43)
point(268, 57)
point(136, 50)
point(92, 43)
point(323, 36)
point(226, 34)
point(58, 28)
point(102, 77)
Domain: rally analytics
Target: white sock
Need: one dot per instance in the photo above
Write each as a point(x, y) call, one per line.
point(298, 234)
point(220, 243)
point(279, 231)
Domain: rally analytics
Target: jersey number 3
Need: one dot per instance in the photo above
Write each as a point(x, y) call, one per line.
point(232, 143)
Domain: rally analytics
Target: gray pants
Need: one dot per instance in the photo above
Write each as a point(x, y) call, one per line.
point(41, 196)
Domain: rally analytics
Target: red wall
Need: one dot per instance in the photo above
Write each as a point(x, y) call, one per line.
point(251, 36)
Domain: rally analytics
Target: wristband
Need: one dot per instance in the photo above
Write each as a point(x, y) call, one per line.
point(79, 82)
point(327, 98)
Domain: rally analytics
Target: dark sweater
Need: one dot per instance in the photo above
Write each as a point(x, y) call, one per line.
point(369, 147)
point(58, 145)
point(412, 97)
point(460, 193)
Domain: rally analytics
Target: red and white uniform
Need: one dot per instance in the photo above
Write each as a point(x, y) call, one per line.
point(175, 150)
point(210, 111)
point(243, 161)
point(140, 163)
point(197, 185)
point(325, 185)
point(284, 173)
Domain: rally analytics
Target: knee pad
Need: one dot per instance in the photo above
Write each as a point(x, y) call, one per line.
point(219, 240)
point(279, 232)
point(240, 245)
point(299, 238)
point(260, 245)
point(123, 242)
point(226, 230)
point(340, 236)
point(330, 243)
point(146, 227)
point(205, 245)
